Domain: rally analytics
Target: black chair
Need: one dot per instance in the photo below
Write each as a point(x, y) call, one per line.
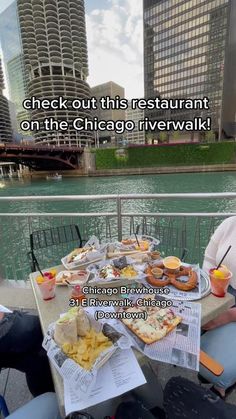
point(55, 236)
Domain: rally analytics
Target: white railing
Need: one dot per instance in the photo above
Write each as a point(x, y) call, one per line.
point(110, 217)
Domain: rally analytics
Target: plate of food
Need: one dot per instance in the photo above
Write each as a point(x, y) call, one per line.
point(159, 323)
point(79, 277)
point(141, 243)
point(85, 341)
point(113, 270)
point(82, 257)
point(183, 280)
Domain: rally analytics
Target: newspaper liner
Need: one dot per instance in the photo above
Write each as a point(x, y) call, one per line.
point(89, 258)
point(180, 347)
point(176, 294)
point(79, 378)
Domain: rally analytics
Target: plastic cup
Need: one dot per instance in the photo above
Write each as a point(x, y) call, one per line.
point(219, 286)
point(47, 288)
point(172, 264)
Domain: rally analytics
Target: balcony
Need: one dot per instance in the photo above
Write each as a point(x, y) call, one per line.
point(109, 217)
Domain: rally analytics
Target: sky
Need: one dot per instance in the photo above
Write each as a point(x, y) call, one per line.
point(115, 43)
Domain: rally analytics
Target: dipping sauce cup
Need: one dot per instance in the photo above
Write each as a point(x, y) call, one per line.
point(157, 272)
point(172, 263)
point(220, 279)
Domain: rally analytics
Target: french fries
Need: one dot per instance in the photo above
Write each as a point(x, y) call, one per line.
point(87, 349)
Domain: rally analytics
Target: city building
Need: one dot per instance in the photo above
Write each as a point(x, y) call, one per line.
point(190, 52)
point(135, 136)
point(5, 121)
point(54, 43)
point(111, 90)
point(13, 61)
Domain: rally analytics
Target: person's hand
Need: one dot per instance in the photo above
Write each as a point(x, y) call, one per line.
point(224, 318)
point(1, 316)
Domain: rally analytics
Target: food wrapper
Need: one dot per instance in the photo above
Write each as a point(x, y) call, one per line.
point(96, 255)
point(95, 270)
point(153, 243)
point(80, 378)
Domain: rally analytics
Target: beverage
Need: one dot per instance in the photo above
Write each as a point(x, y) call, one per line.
point(76, 294)
point(47, 284)
point(220, 279)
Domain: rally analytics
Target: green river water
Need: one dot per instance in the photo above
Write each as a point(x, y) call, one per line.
point(13, 246)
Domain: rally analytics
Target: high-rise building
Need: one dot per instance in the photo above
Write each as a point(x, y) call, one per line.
point(54, 43)
point(5, 121)
point(13, 60)
point(136, 136)
point(190, 52)
point(111, 90)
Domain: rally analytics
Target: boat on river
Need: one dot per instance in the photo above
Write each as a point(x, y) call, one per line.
point(54, 177)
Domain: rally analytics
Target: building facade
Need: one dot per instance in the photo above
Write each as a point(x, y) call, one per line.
point(135, 136)
point(54, 43)
point(190, 52)
point(5, 120)
point(13, 61)
point(111, 90)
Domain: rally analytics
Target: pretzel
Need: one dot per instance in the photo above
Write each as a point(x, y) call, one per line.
point(171, 278)
point(156, 282)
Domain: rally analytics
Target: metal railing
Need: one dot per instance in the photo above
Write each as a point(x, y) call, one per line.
point(110, 217)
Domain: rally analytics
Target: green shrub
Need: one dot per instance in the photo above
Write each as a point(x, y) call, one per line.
point(168, 155)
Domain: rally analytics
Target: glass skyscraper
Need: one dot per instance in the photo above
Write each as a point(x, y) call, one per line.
point(13, 60)
point(190, 52)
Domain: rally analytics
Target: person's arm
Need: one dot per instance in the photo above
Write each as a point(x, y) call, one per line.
point(213, 245)
point(224, 318)
point(1, 316)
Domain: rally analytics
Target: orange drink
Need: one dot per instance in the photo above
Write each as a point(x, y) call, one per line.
point(220, 279)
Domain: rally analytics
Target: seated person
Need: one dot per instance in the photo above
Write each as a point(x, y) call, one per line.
point(42, 407)
point(220, 339)
point(21, 348)
point(223, 237)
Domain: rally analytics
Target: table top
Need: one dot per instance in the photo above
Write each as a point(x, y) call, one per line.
point(49, 311)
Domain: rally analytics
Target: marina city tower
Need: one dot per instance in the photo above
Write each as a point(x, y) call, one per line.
point(55, 53)
point(5, 122)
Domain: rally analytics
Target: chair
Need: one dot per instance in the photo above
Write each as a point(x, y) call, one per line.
point(55, 236)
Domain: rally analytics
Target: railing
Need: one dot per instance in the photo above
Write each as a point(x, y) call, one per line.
point(110, 217)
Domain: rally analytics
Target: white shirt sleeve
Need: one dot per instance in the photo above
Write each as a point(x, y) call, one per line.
point(213, 245)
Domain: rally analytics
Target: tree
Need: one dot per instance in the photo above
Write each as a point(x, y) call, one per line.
point(176, 135)
point(149, 137)
point(210, 136)
point(163, 136)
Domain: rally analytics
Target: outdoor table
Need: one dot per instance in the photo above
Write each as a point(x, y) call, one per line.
point(49, 312)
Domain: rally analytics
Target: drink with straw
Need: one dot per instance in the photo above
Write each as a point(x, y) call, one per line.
point(47, 284)
point(220, 279)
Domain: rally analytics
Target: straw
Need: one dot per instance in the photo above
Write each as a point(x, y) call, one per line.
point(223, 258)
point(136, 237)
point(41, 273)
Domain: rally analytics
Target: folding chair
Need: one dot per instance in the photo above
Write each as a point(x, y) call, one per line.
point(55, 236)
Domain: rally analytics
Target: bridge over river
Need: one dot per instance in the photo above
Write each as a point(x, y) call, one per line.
point(42, 157)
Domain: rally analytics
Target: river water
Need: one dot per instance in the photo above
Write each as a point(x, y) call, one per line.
point(12, 247)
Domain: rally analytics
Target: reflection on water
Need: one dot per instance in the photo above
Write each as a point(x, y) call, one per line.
point(182, 183)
